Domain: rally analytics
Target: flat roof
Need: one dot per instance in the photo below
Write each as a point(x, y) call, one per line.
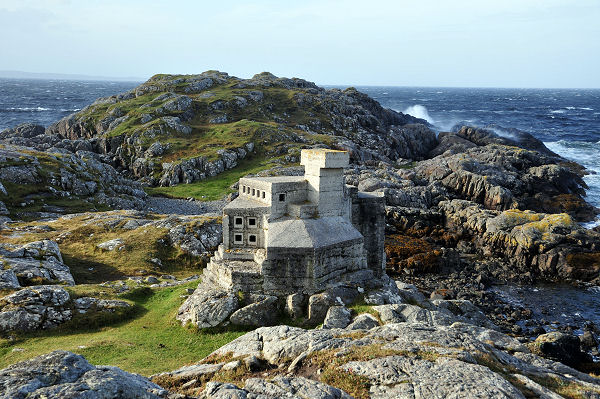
point(243, 202)
point(278, 179)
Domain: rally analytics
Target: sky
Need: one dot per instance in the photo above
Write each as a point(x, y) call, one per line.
point(457, 43)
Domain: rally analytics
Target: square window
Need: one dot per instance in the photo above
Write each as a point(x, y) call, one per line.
point(252, 238)
point(251, 221)
point(253, 192)
point(244, 189)
point(239, 221)
point(238, 239)
point(281, 197)
point(258, 193)
point(263, 195)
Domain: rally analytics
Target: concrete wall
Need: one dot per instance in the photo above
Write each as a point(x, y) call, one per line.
point(256, 190)
point(288, 271)
point(293, 192)
point(368, 217)
point(231, 227)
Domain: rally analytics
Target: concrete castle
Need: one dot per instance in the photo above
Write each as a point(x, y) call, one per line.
point(300, 234)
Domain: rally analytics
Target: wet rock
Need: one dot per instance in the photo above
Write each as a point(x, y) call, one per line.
point(561, 347)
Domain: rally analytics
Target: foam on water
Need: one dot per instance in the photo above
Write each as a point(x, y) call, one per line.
point(419, 111)
point(588, 155)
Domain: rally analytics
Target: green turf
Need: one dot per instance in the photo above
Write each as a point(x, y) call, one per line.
point(213, 188)
point(151, 342)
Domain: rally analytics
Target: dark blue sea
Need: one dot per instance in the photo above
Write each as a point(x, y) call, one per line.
point(567, 120)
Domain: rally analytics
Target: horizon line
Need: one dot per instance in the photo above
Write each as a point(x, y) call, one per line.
point(13, 74)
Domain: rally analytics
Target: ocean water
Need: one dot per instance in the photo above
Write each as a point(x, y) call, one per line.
point(567, 120)
point(46, 101)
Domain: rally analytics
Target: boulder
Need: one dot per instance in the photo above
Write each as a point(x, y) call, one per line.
point(337, 317)
point(318, 305)
point(67, 375)
point(294, 305)
point(35, 308)
point(258, 314)
point(363, 321)
point(111, 245)
point(207, 307)
point(34, 263)
point(565, 348)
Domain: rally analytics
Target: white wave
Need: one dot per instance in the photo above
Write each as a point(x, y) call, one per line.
point(558, 111)
point(585, 153)
point(70, 110)
point(570, 107)
point(586, 108)
point(29, 109)
point(419, 111)
point(504, 133)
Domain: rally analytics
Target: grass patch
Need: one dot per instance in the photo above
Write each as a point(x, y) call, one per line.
point(213, 188)
point(151, 342)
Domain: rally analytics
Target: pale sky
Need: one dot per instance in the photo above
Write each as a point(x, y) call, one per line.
point(467, 43)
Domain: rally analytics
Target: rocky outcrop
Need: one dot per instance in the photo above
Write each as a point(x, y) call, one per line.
point(127, 129)
point(393, 302)
point(47, 306)
point(551, 246)
point(401, 359)
point(35, 308)
point(38, 262)
point(67, 375)
point(45, 180)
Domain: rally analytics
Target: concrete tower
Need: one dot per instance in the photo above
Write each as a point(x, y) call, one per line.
point(324, 172)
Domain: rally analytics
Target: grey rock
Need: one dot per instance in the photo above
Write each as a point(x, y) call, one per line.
point(444, 378)
point(111, 245)
point(32, 262)
point(318, 305)
point(262, 313)
point(294, 305)
point(207, 307)
point(337, 317)
point(152, 280)
point(35, 308)
point(363, 321)
point(67, 375)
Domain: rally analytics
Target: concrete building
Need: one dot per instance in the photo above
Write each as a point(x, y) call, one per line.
point(290, 234)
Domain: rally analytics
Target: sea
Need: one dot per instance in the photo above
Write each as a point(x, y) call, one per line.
point(566, 120)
